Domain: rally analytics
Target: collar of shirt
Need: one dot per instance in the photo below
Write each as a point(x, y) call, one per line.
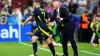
point(58, 13)
point(58, 10)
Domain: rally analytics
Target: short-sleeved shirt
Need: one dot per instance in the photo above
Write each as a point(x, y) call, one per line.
point(40, 16)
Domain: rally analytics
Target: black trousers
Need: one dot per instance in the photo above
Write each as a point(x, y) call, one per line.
point(85, 35)
point(68, 34)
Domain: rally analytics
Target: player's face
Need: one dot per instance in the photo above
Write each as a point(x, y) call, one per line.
point(34, 4)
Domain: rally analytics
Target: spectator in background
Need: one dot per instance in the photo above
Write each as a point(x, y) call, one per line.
point(84, 33)
point(82, 7)
point(1, 5)
point(28, 8)
point(11, 18)
point(18, 15)
point(4, 11)
point(25, 10)
point(95, 10)
point(48, 1)
point(1, 20)
point(99, 4)
point(43, 5)
point(93, 27)
point(49, 9)
point(93, 3)
point(75, 7)
point(64, 3)
point(27, 15)
point(72, 7)
point(67, 2)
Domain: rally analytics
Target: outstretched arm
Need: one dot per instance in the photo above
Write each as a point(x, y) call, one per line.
point(28, 19)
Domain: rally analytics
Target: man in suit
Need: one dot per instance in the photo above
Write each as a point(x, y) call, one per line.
point(65, 26)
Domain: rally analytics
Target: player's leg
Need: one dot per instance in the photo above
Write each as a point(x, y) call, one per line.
point(34, 39)
point(44, 29)
point(34, 44)
point(41, 39)
point(49, 43)
point(92, 39)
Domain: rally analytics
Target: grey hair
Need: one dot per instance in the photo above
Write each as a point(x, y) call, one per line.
point(57, 2)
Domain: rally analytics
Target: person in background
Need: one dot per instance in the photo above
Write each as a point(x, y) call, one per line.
point(82, 7)
point(25, 10)
point(95, 10)
point(18, 15)
point(95, 26)
point(48, 1)
point(1, 5)
point(11, 18)
point(64, 3)
point(27, 15)
point(49, 9)
point(4, 11)
point(83, 27)
point(98, 31)
point(70, 7)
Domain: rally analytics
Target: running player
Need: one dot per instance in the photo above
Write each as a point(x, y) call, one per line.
point(40, 17)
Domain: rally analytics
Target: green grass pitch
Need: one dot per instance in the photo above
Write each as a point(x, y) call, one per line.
point(25, 49)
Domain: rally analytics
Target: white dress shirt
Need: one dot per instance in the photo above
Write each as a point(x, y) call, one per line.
point(58, 14)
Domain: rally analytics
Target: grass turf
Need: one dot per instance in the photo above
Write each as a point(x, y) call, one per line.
point(18, 49)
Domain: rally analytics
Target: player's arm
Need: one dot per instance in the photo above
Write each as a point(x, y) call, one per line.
point(53, 17)
point(28, 19)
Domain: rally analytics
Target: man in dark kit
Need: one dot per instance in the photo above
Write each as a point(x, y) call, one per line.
point(65, 26)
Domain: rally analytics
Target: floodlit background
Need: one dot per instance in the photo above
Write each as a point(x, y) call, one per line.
point(14, 40)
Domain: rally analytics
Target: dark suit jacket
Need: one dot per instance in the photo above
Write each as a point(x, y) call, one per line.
point(63, 14)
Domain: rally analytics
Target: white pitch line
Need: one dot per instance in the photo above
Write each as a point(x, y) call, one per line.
point(40, 48)
point(90, 53)
point(58, 52)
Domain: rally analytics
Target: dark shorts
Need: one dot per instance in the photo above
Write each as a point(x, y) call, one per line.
point(41, 35)
point(45, 28)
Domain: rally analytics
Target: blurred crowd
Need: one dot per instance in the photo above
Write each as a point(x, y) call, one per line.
point(81, 11)
point(76, 7)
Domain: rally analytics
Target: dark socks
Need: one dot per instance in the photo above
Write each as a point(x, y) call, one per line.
point(51, 47)
point(41, 42)
point(34, 45)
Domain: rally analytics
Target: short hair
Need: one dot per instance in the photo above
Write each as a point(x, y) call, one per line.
point(86, 11)
point(57, 1)
point(38, 2)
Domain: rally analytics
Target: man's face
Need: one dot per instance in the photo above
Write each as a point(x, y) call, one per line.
point(55, 5)
point(86, 14)
point(34, 4)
